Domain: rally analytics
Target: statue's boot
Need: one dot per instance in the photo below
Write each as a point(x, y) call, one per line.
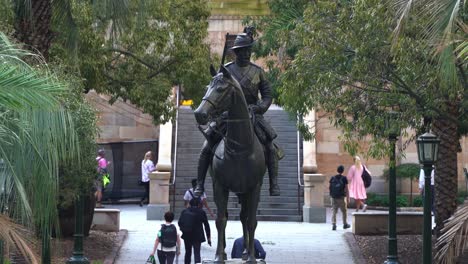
point(272, 164)
point(203, 165)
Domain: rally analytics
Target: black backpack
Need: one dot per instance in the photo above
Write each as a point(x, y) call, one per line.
point(168, 236)
point(337, 187)
point(187, 220)
point(366, 178)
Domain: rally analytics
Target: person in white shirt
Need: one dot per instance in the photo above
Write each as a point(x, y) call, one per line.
point(421, 186)
point(147, 166)
point(189, 195)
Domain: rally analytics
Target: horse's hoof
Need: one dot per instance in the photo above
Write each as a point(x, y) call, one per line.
point(220, 258)
point(251, 260)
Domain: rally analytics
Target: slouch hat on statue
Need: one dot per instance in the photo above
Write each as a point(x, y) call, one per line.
point(244, 39)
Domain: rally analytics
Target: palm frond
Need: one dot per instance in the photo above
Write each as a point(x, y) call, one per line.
point(17, 236)
point(115, 11)
point(452, 243)
point(43, 136)
point(462, 50)
point(63, 14)
point(402, 12)
point(19, 89)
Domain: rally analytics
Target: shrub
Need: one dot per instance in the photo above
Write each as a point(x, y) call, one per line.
point(402, 201)
point(418, 201)
point(376, 200)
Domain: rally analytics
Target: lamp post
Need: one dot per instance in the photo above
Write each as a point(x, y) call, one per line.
point(392, 257)
point(78, 256)
point(428, 147)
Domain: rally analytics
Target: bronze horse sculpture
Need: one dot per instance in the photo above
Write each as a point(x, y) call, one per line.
point(239, 161)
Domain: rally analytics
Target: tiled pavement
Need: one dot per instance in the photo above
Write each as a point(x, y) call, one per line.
point(284, 242)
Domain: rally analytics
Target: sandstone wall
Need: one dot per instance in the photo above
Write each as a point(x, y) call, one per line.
point(330, 153)
point(121, 121)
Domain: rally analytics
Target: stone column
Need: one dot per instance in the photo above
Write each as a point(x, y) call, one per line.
point(159, 195)
point(314, 210)
point(159, 180)
point(309, 148)
point(314, 184)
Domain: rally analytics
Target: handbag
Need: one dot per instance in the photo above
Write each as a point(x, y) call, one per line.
point(366, 177)
point(151, 260)
point(106, 180)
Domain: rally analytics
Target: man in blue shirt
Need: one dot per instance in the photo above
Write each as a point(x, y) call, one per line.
point(238, 248)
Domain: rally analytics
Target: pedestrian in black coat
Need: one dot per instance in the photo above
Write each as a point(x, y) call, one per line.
point(195, 235)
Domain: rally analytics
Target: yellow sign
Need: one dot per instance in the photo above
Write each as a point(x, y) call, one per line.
point(187, 102)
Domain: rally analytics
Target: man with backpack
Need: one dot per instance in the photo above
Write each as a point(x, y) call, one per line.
point(167, 241)
point(189, 195)
point(191, 223)
point(339, 196)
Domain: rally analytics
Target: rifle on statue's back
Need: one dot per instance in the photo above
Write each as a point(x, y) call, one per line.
point(225, 51)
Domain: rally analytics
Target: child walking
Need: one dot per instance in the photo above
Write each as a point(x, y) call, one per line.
point(168, 241)
point(340, 197)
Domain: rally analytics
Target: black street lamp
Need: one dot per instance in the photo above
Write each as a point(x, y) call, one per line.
point(78, 256)
point(393, 132)
point(428, 147)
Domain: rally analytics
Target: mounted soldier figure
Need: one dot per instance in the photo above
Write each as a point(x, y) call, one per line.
point(252, 79)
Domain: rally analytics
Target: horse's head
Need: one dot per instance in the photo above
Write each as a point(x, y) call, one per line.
point(217, 98)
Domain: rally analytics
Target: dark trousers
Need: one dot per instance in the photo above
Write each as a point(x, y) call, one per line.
point(166, 257)
point(146, 195)
point(188, 251)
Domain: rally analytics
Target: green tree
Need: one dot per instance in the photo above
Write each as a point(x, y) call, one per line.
point(347, 69)
point(444, 34)
point(133, 50)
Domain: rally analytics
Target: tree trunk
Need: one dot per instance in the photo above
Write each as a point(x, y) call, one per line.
point(34, 29)
point(445, 177)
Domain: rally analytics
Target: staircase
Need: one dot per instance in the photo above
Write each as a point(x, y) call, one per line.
point(287, 207)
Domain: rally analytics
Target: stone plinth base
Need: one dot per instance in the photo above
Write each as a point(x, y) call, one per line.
point(106, 220)
point(376, 223)
point(314, 214)
point(156, 211)
point(232, 261)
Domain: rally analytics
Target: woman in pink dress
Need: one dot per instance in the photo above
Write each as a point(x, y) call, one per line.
point(356, 185)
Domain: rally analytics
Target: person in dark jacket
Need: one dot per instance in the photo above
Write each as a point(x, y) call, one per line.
point(238, 249)
point(195, 236)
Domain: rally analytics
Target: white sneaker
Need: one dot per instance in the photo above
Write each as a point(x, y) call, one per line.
point(364, 208)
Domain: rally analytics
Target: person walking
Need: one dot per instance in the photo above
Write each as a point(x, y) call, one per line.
point(339, 196)
point(167, 241)
point(191, 222)
point(189, 195)
point(101, 171)
point(421, 186)
point(357, 190)
point(147, 166)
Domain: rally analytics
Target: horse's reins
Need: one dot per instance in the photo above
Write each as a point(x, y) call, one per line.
point(217, 131)
point(223, 136)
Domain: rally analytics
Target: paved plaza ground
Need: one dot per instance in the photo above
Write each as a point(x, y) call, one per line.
point(284, 242)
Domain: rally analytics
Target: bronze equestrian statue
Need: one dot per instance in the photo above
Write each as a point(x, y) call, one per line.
point(239, 142)
point(252, 80)
point(238, 163)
